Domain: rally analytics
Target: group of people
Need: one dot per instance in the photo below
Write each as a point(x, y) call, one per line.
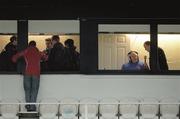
point(60, 57)
point(135, 64)
point(56, 56)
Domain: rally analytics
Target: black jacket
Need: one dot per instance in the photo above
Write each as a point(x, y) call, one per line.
point(162, 61)
point(56, 57)
point(72, 59)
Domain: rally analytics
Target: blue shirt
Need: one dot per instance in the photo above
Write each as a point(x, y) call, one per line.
point(133, 66)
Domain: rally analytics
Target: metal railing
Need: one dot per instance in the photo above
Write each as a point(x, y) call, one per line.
point(99, 103)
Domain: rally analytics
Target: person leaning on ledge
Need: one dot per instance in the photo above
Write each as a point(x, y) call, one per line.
point(31, 82)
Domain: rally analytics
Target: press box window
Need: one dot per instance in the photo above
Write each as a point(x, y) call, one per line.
point(116, 41)
point(67, 31)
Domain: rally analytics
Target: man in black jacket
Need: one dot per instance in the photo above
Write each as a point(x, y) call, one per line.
point(72, 56)
point(9, 50)
point(162, 61)
point(56, 57)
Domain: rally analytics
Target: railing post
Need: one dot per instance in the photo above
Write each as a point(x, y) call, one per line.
point(139, 113)
point(86, 111)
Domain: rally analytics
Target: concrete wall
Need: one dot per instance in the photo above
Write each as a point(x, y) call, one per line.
point(97, 86)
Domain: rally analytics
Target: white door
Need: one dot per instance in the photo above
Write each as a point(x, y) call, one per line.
point(113, 49)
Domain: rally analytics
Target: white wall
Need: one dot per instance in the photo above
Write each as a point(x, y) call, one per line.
point(97, 86)
point(124, 28)
point(8, 26)
point(53, 26)
point(137, 28)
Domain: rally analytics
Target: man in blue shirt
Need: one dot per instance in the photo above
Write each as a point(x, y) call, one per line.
point(134, 63)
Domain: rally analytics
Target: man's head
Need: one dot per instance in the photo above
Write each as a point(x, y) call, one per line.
point(32, 44)
point(147, 45)
point(13, 40)
point(133, 56)
point(48, 43)
point(55, 39)
point(69, 43)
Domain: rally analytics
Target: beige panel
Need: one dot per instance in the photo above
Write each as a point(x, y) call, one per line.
point(170, 44)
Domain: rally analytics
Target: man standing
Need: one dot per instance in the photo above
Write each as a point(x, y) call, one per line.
point(162, 61)
point(48, 43)
point(56, 59)
point(72, 56)
point(32, 57)
point(10, 50)
point(44, 64)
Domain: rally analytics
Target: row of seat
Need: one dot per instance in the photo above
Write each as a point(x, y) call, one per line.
point(104, 110)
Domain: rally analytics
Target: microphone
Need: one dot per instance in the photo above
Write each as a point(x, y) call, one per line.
point(145, 63)
point(145, 59)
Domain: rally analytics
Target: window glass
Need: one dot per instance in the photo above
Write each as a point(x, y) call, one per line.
point(59, 40)
point(120, 47)
point(168, 43)
point(8, 44)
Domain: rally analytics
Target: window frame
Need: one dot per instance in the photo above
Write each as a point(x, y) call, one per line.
point(89, 44)
point(154, 45)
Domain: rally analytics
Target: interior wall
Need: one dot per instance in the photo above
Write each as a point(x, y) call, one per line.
point(54, 26)
point(97, 86)
point(170, 44)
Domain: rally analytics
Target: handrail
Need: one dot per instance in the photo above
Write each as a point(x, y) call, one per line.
point(168, 103)
point(86, 105)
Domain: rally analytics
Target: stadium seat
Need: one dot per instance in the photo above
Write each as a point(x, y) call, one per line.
point(169, 111)
point(149, 111)
point(48, 111)
point(92, 108)
point(129, 111)
point(69, 111)
point(9, 111)
point(109, 111)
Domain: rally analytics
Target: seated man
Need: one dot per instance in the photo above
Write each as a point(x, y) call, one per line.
point(134, 63)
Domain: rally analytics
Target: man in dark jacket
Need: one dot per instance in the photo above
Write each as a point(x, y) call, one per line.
point(9, 50)
point(56, 61)
point(72, 56)
point(162, 61)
